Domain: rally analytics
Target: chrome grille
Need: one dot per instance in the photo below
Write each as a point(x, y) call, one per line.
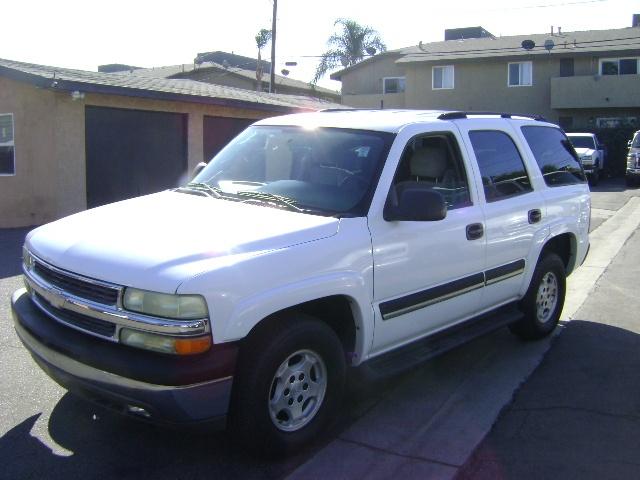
point(83, 322)
point(80, 288)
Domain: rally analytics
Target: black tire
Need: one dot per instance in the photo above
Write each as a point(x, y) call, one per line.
point(630, 181)
point(594, 178)
point(541, 314)
point(264, 352)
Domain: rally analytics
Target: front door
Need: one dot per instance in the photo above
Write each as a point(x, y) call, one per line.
point(428, 275)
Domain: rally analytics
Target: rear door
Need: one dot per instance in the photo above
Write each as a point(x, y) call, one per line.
point(563, 184)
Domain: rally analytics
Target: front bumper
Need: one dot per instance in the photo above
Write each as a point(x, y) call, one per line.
point(156, 387)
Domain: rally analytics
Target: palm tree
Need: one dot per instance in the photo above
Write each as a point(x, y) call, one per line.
point(262, 38)
point(348, 47)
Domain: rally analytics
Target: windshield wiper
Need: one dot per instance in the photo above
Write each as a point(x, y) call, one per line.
point(272, 198)
point(205, 188)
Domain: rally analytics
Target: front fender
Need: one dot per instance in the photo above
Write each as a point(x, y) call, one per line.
point(251, 310)
point(241, 294)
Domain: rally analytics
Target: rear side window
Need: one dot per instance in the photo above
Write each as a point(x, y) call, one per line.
point(501, 166)
point(555, 156)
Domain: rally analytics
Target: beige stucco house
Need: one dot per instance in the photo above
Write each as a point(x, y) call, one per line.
point(578, 79)
point(73, 139)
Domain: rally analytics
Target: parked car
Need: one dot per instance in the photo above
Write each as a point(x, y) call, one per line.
point(592, 154)
point(312, 246)
point(633, 160)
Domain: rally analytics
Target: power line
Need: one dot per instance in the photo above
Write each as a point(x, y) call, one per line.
point(547, 5)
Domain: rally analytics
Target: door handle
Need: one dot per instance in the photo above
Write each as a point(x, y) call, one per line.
point(475, 231)
point(535, 215)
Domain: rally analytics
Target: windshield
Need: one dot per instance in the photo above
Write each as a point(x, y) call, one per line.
point(582, 142)
point(636, 141)
point(327, 171)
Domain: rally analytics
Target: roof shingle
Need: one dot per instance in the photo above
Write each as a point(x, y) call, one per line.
point(160, 88)
point(590, 41)
point(172, 70)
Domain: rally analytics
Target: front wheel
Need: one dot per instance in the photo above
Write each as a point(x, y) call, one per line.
point(543, 302)
point(289, 385)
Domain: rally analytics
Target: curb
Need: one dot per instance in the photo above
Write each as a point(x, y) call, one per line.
point(606, 241)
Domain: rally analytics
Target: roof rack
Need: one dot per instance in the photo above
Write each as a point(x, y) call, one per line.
point(458, 115)
point(345, 109)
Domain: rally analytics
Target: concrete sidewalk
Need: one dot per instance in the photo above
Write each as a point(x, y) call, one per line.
point(431, 422)
point(578, 415)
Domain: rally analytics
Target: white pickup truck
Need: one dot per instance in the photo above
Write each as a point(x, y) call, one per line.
point(591, 153)
point(312, 246)
point(633, 160)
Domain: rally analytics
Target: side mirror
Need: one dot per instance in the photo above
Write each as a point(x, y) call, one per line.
point(198, 168)
point(629, 144)
point(415, 204)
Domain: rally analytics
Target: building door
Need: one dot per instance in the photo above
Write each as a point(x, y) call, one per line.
point(132, 152)
point(218, 131)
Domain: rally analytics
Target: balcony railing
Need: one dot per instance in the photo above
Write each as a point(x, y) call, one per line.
point(596, 91)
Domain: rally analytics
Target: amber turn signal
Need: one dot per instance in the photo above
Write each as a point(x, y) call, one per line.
point(191, 346)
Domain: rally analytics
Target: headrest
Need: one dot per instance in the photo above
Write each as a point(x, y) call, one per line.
point(428, 162)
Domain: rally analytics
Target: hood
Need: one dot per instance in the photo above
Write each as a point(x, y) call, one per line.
point(157, 241)
point(584, 151)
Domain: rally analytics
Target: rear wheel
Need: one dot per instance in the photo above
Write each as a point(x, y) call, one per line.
point(543, 302)
point(289, 385)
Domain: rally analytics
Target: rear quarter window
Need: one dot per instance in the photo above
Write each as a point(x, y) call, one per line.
point(554, 154)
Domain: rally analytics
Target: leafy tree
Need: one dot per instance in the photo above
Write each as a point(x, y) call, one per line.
point(262, 38)
point(348, 47)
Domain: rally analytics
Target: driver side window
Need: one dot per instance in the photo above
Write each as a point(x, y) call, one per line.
point(434, 161)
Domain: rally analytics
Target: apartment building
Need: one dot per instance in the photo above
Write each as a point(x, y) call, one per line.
point(583, 79)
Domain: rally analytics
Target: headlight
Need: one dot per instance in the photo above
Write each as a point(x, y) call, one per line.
point(180, 307)
point(27, 258)
point(164, 343)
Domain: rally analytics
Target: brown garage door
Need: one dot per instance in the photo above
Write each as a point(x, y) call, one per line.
point(132, 152)
point(218, 131)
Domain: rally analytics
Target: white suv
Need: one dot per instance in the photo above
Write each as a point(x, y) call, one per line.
point(311, 246)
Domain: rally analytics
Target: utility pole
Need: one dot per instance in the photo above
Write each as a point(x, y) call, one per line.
point(272, 81)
